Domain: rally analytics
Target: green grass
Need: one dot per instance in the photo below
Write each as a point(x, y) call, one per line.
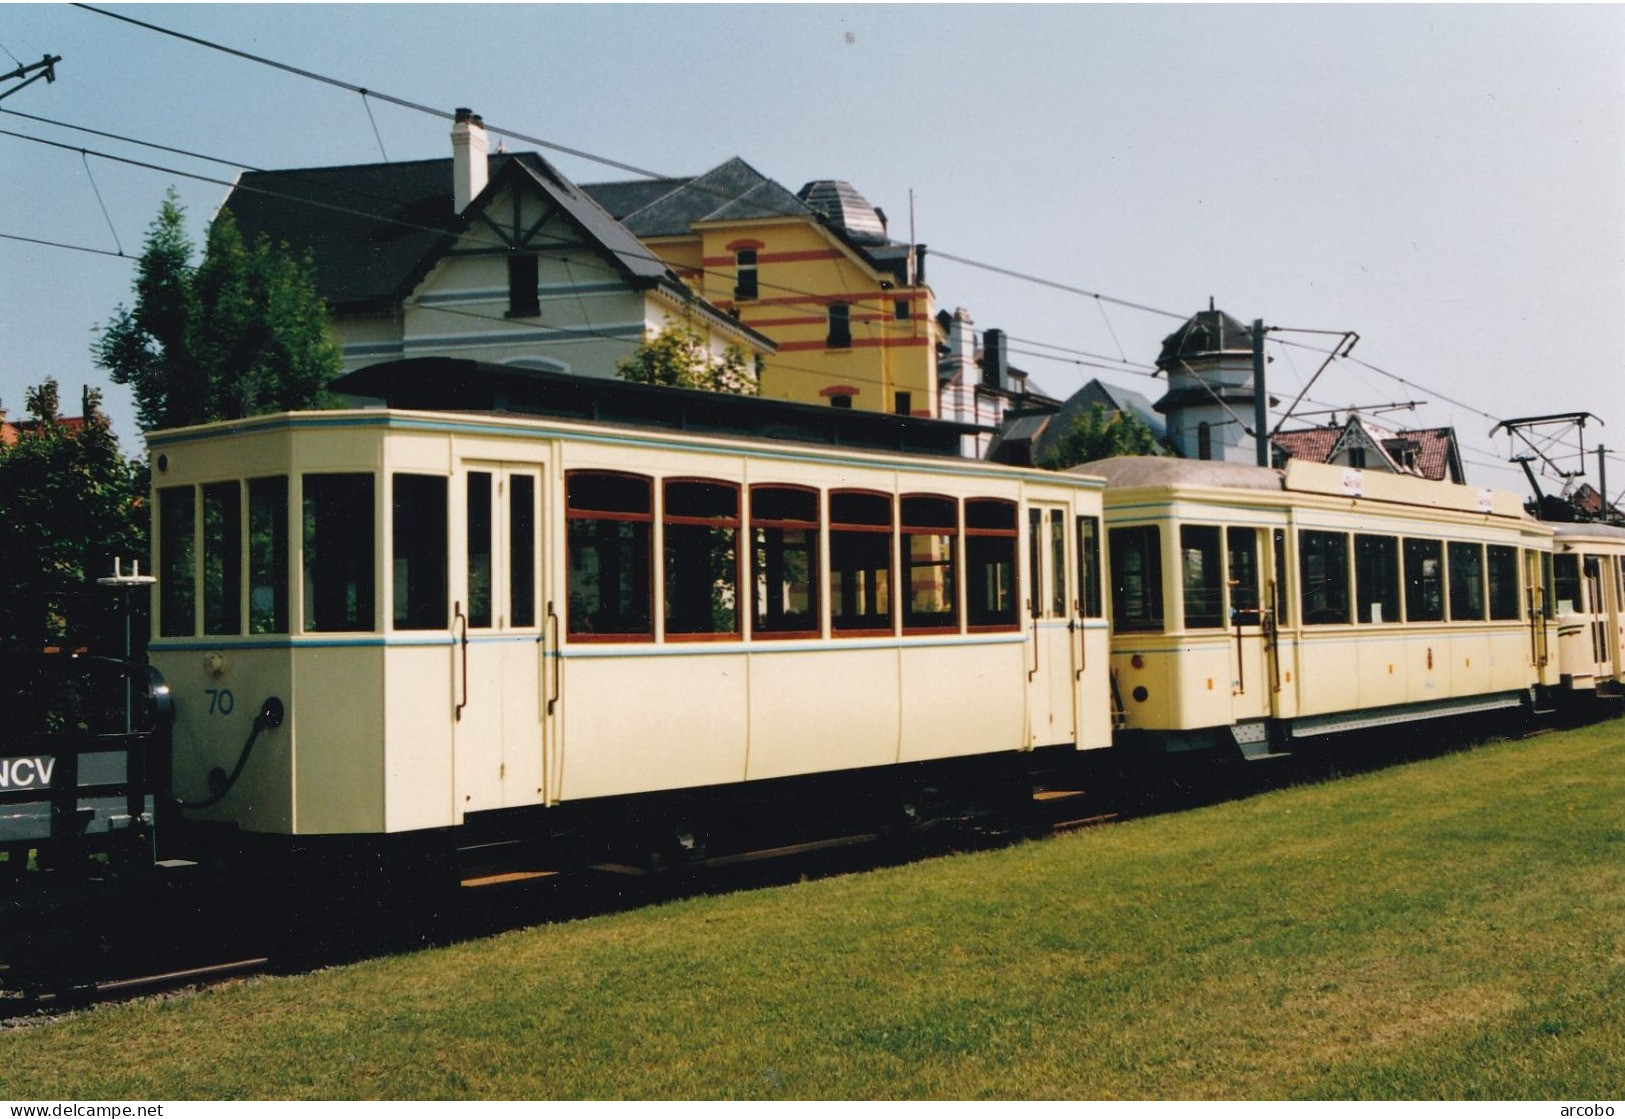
point(1453, 928)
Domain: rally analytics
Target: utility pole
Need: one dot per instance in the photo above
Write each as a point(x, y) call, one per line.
point(1261, 397)
point(1602, 480)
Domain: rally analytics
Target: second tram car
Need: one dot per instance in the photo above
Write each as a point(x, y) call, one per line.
point(1256, 606)
point(1588, 591)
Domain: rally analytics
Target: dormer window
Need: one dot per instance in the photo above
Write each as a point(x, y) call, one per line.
point(745, 274)
point(1357, 458)
point(524, 298)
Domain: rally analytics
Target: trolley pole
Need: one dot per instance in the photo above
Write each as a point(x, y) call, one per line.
point(1261, 397)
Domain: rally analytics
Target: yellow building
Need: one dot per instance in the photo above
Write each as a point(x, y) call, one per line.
point(848, 308)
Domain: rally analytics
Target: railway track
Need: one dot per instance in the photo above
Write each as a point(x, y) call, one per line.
point(329, 928)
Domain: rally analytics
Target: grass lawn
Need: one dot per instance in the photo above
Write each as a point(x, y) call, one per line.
point(1451, 928)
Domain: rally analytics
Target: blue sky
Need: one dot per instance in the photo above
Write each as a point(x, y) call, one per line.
point(1444, 180)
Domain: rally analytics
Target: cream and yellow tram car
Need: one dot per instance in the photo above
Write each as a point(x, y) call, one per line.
point(464, 613)
point(1588, 606)
point(1254, 606)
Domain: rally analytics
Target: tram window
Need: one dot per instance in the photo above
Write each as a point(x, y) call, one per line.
point(1376, 579)
point(702, 558)
point(784, 561)
point(1323, 567)
point(608, 525)
point(418, 562)
point(1241, 565)
point(1282, 598)
point(1136, 578)
point(478, 552)
point(1089, 566)
point(931, 537)
point(990, 564)
point(521, 550)
point(1549, 583)
point(1566, 583)
point(1424, 581)
point(177, 592)
point(1035, 562)
point(1503, 575)
point(223, 558)
point(268, 555)
point(1201, 576)
point(860, 544)
point(338, 516)
point(1466, 579)
point(1057, 566)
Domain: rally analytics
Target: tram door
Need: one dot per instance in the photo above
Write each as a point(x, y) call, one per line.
point(1252, 683)
point(1600, 585)
point(497, 621)
point(1052, 644)
point(1536, 608)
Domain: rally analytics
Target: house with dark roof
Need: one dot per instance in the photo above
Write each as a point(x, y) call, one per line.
point(1362, 444)
point(815, 270)
point(496, 258)
point(1030, 433)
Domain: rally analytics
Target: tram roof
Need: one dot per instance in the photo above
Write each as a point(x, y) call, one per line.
point(1124, 471)
point(438, 384)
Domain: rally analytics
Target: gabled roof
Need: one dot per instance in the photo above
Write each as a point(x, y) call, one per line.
point(1115, 399)
point(1436, 454)
point(735, 191)
point(375, 229)
point(731, 191)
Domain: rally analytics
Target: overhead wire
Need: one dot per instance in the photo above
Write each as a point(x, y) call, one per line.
point(365, 93)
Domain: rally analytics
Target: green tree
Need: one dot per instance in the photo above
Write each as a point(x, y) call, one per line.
point(678, 356)
point(242, 332)
point(71, 504)
point(1096, 435)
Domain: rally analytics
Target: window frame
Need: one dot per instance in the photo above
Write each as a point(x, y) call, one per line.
point(1154, 617)
point(573, 515)
point(946, 621)
point(1366, 592)
point(747, 278)
point(1416, 588)
point(858, 528)
point(815, 571)
point(1338, 592)
point(1468, 549)
point(839, 334)
point(366, 617)
point(1214, 558)
point(524, 285)
point(733, 523)
point(981, 556)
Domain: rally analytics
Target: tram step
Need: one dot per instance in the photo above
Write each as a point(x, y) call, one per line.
point(506, 878)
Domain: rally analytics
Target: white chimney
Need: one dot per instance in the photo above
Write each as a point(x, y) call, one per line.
point(961, 348)
point(470, 168)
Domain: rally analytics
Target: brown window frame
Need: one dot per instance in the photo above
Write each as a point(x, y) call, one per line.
point(815, 574)
point(573, 513)
point(976, 559)
point(735, 523)
point(950, 529)
point(889, 531)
